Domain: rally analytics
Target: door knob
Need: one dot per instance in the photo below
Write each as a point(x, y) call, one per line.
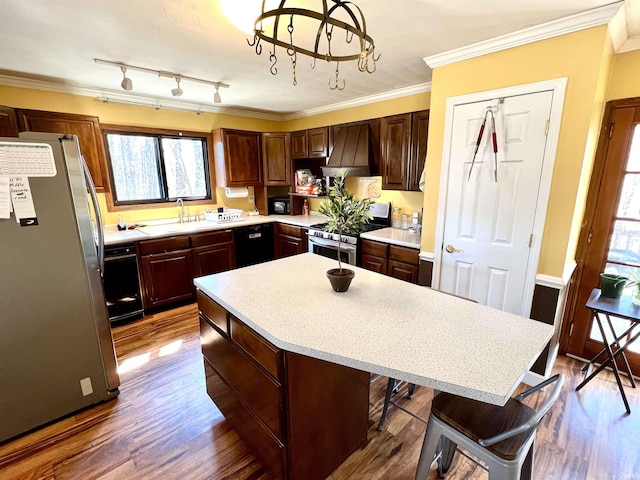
point(452, 249)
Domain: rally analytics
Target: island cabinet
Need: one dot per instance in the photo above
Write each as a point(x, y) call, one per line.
point(282, 404)
point(167, 270)
point(213, 252)
point(290, 240)
point(85, 127)
point(404, 149)
point(393, 260)
point(238, 158)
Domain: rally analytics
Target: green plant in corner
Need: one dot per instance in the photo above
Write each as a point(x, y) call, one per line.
point(344, 211)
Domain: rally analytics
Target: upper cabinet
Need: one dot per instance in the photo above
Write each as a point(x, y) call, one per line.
point(276, 159)
point(312, 143)
point(238, 158)
point(8, 122)
point(86, 128)
point(419, 135)
point(404, 149)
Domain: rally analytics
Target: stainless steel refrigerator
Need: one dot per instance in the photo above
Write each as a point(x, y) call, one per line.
point(56, 348)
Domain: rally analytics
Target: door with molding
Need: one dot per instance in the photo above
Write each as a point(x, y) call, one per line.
point(492, 199)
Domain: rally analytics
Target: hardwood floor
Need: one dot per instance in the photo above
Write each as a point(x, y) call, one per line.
point(164, 426)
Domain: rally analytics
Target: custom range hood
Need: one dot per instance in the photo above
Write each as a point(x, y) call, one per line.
point(350, 152)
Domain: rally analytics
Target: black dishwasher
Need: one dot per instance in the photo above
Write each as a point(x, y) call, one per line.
point(121, 282)
point(254, 244)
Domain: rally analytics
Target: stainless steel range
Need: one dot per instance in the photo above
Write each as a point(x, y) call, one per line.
point(325, 243)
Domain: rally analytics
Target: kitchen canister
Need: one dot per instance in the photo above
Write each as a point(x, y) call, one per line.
point(396, 217)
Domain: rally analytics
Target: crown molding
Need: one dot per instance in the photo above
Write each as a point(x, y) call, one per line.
point(562, 26)
point(379, 97)
point(108, 96)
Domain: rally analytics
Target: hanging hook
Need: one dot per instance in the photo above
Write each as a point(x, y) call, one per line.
point(313, 65)
point(256, 42)
point(273, 59)
point(337, 86)
point(290, 49)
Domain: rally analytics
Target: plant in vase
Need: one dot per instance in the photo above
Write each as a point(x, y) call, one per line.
point(345, 214)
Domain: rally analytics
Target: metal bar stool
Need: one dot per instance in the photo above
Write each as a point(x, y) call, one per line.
point(501, 437)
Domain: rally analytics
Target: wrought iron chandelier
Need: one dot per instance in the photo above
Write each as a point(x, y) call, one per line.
point(320, 35)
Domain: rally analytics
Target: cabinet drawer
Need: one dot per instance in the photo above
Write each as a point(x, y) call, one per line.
point(214, 312)
point(290, 230)
point(403, 271)
point(162, 245)
point(262, 443)
point(257, 347)
point(256, 389)
point(377, 249)
point(211, 238)
point(404, 254)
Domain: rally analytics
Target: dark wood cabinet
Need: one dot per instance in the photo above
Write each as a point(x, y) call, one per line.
point(393, 260)
point(276, 159)
point(282, 404)
point(404, 149)
point(213, 252)
point(312, 143)
point(8, 122)
point(86, 128)
point(290, 240)
point(167, 271)
point(299, 147)
point(238, 158)
point(419, 137)
point(396, 151)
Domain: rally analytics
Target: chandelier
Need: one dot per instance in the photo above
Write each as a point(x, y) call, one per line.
point(337, 34)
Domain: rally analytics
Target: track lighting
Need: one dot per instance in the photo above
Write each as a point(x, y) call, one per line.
point(177, 92)
point(126, 84)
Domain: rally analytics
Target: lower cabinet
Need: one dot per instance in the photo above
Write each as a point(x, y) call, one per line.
point(213, 252)
point(393, 260)
point(300, 416)
point(290, 240)
point(167, 271)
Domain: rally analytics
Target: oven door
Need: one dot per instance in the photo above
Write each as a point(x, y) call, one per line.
point(329, 249)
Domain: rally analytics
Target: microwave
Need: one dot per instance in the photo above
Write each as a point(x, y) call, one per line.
point(280, 205)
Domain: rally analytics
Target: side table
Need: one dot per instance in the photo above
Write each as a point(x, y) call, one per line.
point(619, 307)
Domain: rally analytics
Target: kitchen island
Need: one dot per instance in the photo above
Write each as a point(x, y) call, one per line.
point(283, 319)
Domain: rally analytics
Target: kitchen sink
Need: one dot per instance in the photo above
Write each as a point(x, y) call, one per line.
point(176, 227)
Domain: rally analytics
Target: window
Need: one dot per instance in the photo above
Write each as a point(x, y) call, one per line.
point(157, 167)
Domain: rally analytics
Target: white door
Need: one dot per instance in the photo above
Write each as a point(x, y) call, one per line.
point(489, 224)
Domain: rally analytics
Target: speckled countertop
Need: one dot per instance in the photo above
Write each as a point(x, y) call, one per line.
point(159, 229)
point(395, 236)
point(383, 325)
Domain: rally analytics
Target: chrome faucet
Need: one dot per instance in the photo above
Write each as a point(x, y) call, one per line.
point(180, 203)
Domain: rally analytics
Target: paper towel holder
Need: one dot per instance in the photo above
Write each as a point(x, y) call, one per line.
point(236, 192)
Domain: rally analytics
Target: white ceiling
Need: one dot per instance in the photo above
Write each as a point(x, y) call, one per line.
point(56, 41)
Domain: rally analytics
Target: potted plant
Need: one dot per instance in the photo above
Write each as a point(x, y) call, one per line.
point(345, 214)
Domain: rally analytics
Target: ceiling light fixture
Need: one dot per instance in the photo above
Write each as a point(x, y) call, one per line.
point(126, 84)
point(216, 96)
point(327, 36)
point(176, 92)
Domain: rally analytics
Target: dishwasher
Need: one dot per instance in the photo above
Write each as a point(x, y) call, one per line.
point(121, 282)
point(253, 244)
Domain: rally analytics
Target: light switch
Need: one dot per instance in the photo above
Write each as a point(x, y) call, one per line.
point(85, 385)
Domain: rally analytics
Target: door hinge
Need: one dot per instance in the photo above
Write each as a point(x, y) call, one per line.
point(611, 125)
point(589, 237)
point(530, 240)
point(571, 329)
point(546, 128)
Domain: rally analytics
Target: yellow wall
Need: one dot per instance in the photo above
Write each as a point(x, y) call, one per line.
point(577, 56)
point(625, 78)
